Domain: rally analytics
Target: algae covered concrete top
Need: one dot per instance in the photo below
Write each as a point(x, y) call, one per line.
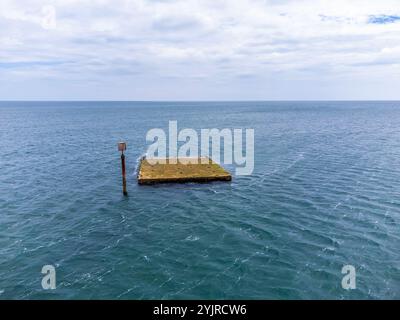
point(181, 170)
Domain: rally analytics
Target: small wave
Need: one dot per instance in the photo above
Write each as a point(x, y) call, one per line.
point(137, 163)
point(337, 205)
point(192, 238)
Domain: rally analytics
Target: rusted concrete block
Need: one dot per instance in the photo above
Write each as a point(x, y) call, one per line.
point(181, 170)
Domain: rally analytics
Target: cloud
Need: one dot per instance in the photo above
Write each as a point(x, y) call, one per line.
point(28, 64)
point(383, 19)
point(156, 46)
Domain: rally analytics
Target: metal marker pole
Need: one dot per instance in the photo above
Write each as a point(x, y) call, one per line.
point(122, 148)
point(123, 175)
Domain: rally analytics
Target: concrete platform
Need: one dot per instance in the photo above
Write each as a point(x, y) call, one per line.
point(183, 171)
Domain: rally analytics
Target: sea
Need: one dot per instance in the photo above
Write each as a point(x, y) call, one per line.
point(324, 196)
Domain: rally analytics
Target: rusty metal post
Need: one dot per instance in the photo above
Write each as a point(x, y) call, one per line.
point(122, 148)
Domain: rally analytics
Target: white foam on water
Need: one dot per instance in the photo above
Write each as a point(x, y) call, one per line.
point(137, 162)
point(192, 238)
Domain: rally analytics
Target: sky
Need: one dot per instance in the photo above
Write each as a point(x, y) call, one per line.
point(200, 50)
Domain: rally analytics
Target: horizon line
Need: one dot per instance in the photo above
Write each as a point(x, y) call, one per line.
point(248, 100)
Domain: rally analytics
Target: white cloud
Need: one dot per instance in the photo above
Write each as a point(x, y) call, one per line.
point(247, 46)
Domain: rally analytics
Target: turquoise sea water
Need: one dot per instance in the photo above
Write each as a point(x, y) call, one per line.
point(325, 193)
